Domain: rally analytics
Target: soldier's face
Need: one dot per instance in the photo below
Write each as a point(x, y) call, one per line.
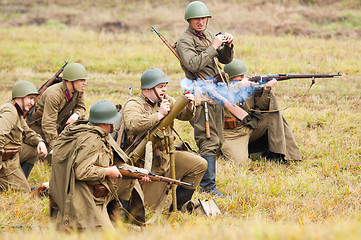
point(198, 24)
point(28, 102)
point(80, 84)
point(161, 89)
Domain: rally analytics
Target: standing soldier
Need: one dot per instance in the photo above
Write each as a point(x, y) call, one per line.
point(61, 104)
point(142, 112)
point(13, 131)
point(201, 52)
point(83, 177)
point(269, 127)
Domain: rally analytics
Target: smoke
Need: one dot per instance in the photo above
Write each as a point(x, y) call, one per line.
point(235, 92)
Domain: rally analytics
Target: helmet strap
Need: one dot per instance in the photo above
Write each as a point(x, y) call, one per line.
point(156, 94)
point(72, 84)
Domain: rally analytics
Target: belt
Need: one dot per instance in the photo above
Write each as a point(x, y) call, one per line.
point(39, 112)
point(9, 154)
point(98, 190)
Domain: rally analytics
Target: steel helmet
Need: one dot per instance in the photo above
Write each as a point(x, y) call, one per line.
point(103, 111)
point(196, 9)
point(74, 71)
point(152, 77)
point(235, 68)
point(23, 89)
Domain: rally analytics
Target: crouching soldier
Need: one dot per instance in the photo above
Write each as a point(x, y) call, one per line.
point(13, 131)
point(83, 177)
point(61, 104)
point(142, 112)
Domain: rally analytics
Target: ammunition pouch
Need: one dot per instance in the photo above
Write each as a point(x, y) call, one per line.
point(9, 154)
point(230, 123)
point(98, 190)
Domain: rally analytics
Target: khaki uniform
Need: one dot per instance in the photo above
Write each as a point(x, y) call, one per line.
point(198, 57)
point(13, 131)
point(139, 116)
point(78, 198)
point(272, 127)
point(51, 111)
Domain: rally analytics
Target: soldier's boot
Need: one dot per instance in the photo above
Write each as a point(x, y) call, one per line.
point(27, 167)
point(183, 196)
point(208, 182)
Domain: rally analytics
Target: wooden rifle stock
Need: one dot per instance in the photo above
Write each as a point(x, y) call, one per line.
point(44, 87)
point(234, 109)
point(139, 174)
point(282, 77)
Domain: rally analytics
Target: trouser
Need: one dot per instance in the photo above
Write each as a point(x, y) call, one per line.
point(12, 176)
point(212, 145)
point(190, 168)
point(237, 149)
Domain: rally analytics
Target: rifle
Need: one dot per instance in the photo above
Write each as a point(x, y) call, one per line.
point(282, 77)
point(48, 83)
point(234, 109)
point(137, 149)
point(138, 174)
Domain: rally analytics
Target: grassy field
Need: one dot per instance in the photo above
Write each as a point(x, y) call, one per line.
point(318, 198)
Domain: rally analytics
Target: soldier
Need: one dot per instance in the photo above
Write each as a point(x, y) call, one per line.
point(144, 111)
point(61, 104)
point(13, 131)
point(83, 177)
point(267, 133)
point(201, 51)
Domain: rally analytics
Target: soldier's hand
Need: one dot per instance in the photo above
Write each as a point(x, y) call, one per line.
point(246, 83)
point(113, 172)
point(42, 150)
point(163, 109)
point(229, 39)
point(190, 97)
point(72, 118)
point(1, 166)
point(270, 84)
point(218, 40)
point(145, 179)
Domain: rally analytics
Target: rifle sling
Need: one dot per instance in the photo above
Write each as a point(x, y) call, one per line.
point(109, 185)
point(279, 110)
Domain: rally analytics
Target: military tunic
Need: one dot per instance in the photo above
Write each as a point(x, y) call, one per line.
point(139, 115)
point(198, 57)
point(13, 131)
point(81, 154)
point(50, 114)
point(272, 126)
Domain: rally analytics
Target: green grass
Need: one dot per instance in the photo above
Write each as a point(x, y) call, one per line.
point(318, 198)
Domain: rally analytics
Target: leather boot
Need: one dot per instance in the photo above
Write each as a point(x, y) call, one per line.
point(27, 168)
point(208, 182)
point(183, 196)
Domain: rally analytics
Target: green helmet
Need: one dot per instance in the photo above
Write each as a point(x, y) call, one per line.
point(74, 71)
point(235, 68)
point(103, 111)
point(23, 89)
point(196, 9)
point(152, 77)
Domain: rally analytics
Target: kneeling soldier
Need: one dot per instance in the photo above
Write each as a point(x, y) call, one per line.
point(83, 176)
point(13, 131)
point(142, 112)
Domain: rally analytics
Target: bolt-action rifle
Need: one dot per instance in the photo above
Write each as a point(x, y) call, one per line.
point(42, 89)
point(138, 174)
point(282, 77)
point(234, 109)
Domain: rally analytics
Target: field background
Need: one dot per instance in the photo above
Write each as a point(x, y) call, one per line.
point(318, 198)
